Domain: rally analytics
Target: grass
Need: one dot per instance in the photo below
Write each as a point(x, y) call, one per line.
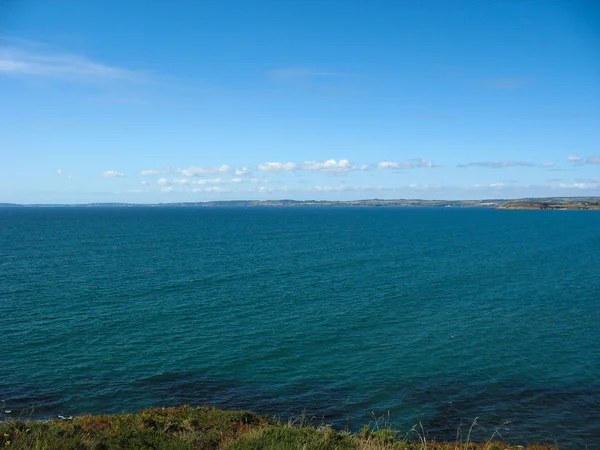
point(186, 427)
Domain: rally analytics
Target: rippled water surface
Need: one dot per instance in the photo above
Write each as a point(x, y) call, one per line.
point(438, 316)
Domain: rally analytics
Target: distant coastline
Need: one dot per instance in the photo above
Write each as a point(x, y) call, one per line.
point(588, 204)
point(548, 203)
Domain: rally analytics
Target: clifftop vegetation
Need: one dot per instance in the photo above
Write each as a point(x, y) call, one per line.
point(210, 428)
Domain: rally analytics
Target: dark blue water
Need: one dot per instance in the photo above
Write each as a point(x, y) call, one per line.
point(437, 316)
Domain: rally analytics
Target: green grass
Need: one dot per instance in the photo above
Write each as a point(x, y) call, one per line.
point(210, 428)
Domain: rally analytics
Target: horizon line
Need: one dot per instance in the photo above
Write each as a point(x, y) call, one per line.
point(283, 200)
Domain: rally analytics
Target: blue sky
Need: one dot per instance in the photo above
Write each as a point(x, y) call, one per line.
point(156, 101)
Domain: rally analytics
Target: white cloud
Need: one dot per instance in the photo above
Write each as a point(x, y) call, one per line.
point(422, 187)
point(421, 162)
point(242, 171)
point(326, 188)
point(211, 190)
point(201, 182)
point(203, 171)
point(394, 165)
point(497, 164)
point(340, 188)
point(547, 164)
point(59, 171)
point(575, 159)
point(217, 181)
point(589, 180)
point(417, 162)
point(276, 167)
point(150, 172)
point(316, 188)
point(19, 61)
point(198, 171)
point(167, 189)
point(145, 183)
point(112, 174)
point(331, 165)
point(579, 185)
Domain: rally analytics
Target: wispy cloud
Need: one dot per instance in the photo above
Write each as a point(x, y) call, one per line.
point(202, 181)
point(150, 172)
point(276, 167)
point(577, 160)
point(112, 174)
point(497, 164)
point(196, 171)
point(547, 164)
point(211, 190)
point(329, 165)
point(42, 62)
point(414, 163)
point(242, 171)
point(61, 173)
point(342, 188)
point(424, 163)
point(203, 171)
point(313, 189)
point(579, 185)
point(394, 165)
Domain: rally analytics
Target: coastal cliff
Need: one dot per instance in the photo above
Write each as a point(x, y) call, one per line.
point(556, 205)
point(190, 428)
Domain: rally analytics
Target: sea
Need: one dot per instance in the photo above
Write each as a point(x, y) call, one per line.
point(443, 323)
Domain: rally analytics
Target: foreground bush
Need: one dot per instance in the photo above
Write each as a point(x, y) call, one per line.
point(207, 428)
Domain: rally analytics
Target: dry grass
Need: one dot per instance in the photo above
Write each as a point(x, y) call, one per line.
point(214, 429)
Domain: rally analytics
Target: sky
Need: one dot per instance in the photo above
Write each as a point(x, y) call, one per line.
point(186, 101)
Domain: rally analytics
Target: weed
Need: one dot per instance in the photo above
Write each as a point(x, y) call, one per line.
point(186, 428)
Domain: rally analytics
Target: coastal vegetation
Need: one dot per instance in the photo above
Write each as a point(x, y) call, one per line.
point(187, 427)
point(587, 204)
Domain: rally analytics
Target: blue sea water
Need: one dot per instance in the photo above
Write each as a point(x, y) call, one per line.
point(433, 316)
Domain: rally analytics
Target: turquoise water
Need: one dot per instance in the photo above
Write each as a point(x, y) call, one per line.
point(437, 316)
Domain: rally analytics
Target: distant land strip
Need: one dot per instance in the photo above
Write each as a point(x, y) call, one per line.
point(548, 203)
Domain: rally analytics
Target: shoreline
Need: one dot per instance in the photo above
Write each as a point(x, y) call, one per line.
point(187, 427)
point(542, 203)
